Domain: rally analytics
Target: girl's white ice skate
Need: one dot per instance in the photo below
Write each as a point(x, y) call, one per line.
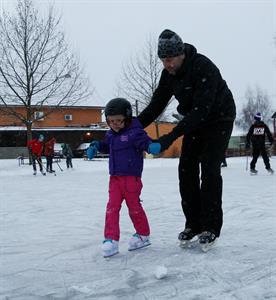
point(110, 248)
point(138, 241)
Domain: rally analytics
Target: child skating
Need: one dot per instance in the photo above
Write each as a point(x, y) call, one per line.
point(125, 142)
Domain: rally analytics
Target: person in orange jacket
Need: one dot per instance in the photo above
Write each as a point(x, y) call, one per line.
point(36, 147)
point(49, 153)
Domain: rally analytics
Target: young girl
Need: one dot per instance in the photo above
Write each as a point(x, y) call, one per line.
point(125, 143)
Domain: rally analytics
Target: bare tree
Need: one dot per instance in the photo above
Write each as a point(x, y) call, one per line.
point(140, 78)
point(37, 68)
point(257, 101)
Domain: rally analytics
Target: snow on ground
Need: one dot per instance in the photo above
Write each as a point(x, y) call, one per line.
point(51, 229)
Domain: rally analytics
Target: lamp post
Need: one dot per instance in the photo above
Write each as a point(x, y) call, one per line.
point(274, 123)
point(136, 107)
point(274, 128)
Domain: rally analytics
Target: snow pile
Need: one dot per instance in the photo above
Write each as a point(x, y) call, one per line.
point(161, 272)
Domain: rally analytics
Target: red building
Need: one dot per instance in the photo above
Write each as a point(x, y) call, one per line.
point(73, 125)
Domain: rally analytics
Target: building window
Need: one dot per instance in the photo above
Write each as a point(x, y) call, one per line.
point(39, 115)
point(68, 117)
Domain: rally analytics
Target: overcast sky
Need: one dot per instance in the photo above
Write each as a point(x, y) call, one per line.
point(237, 35)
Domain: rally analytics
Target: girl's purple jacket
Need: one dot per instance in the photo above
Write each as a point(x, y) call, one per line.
point(125, 149)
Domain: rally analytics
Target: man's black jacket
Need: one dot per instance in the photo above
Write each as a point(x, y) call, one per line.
point(203, 96)
point(257, 134)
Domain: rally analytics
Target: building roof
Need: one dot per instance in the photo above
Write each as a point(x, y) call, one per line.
point(60, 106)
point(22, 128)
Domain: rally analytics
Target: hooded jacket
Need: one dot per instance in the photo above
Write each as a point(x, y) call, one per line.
point(125, 149)
point(35, 146)
point(49, 147)
point(67, 151)
point(257, 133)
point(203, 96)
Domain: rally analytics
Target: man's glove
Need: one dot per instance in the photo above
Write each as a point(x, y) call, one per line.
point(166, 140)
point(154, 148)
point(95, 144)
point(91, 152)
point(247, 146)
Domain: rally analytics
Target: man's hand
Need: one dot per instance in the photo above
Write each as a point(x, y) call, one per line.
point(166, 140)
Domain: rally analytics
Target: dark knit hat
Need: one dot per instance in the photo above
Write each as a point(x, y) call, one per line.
point(258, 116)
point(170, 44)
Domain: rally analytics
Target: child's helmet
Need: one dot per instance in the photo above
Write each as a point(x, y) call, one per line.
point(118, 106)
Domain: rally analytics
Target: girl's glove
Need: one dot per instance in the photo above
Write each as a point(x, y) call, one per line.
point(154, 148)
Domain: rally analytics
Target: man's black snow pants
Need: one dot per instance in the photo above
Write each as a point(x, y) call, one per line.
point(257, 150)
point(200, 180)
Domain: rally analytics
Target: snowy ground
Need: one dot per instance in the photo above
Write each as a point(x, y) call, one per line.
point(51, 232)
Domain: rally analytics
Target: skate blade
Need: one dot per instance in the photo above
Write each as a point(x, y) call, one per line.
point(106, 255)
point(143, 246)
point(189, 243)
point(253, 174)
point(206, 247)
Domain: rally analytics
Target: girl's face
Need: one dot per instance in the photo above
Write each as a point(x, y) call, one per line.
point(116, 122)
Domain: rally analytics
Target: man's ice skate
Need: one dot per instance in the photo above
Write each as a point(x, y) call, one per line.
point(188, 238)
point(207, 240)
point(269, 170)
point(34, 173)
point(253, 172)
point(43, 173)
point(110, 248)
point(138, 241)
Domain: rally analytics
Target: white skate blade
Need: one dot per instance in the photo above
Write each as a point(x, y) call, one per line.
point(147, 243)
point(208, 246)
point(107, 254)
point(189, 243)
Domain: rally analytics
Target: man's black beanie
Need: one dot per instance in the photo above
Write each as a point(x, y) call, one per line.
point(170, 44)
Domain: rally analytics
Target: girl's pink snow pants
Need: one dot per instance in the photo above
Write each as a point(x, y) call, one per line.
point(128, 188)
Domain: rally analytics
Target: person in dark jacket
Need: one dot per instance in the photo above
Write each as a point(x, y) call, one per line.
point(256, 136)
point(49, 154)
point(35, 147)
point(68, 153)
point(224, 162)
point(208, 109)
point(125, 143)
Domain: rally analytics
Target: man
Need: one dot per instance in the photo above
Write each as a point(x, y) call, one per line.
point(68, 153)
point(36, 147)
point(49, 154)
point(208, 110)
point(256, 135)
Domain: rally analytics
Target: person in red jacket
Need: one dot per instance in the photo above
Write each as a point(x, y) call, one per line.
point(36, 147)
point(49, 153)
